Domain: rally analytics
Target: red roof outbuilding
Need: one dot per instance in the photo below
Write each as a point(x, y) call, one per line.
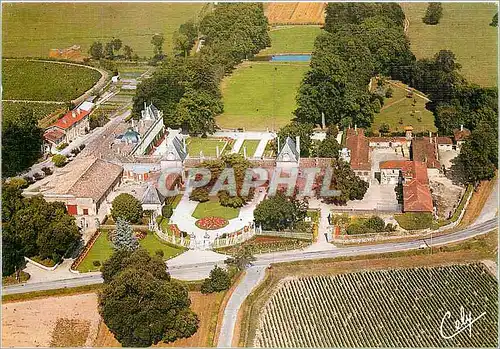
point(71, 118)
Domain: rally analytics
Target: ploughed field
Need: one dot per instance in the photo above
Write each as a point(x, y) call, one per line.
point(388, 308)
point(295, 12)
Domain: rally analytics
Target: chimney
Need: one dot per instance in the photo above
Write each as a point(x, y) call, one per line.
point(278, 139)
point(297, 144)
point(461, 127)
point(73, 114)
point(430, 137)
point(78, 110)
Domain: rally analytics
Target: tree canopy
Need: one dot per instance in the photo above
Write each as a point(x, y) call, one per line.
point(280, 212)
point(433, 13)
point(127, 207)
point(21, 142)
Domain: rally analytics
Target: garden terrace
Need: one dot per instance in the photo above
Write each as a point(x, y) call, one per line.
point(208, 146)
point(212, 208)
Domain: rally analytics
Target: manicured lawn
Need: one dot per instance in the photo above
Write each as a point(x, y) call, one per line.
point(463, 29)
point(292, 39)
point(261, 95)
point(45, 81)
point(33, 29)
point(251, 147)
point(207, 145)
point(103, 249)
point(400, 107)
point(212, 208)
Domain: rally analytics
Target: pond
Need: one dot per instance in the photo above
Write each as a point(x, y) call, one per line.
point(291, 58)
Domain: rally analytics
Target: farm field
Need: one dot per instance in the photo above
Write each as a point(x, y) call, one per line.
point(208, 146)
point(259, 95)
point(399, 107)
point(68, 321)
point(45, 81)
point(206, 306)
point(292, 39)
point(251, 146)
point(103, 249)
point(351, 307)
point(212, 208)
point(11, 110)
point(31, 30)
point(463, 29)
point(295, 13)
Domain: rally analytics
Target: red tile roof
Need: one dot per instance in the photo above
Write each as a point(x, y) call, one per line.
point(424, 149)
point(359, 147)
point(387, 139)
point(461, 134)
point(411, 169)
point(53, 135)
point(444, 140)
point(70, 118)
point(417, 197)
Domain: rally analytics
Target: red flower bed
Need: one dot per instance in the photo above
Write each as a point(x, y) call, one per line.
point(211, 223)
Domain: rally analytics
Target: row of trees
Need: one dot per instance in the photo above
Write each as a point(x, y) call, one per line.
point(361, 40)
point(186, 87)
point(111, 50)
point(33, 227)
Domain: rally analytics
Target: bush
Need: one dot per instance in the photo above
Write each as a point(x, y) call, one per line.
point(75, 151)
point(384, 128)
point(59, 160)
point(389, 92)
point(127, 207)
point(159, 253)
point(62, 146)
point(433, 14)
point(47, 170)
point(199, 194)
point(37, 176)
point(167, 211)
point(218, 281)
point(414, 220)
point(96, 263)
point(82, 146)
point(29, 180)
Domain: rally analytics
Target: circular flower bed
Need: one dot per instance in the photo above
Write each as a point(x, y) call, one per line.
point(211, 223)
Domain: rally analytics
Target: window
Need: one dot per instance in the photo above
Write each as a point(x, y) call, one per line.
point(86, 211)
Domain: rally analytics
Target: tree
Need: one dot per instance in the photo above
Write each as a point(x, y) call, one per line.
point(109, 50)
point(43, 229)
point(117, 44)
point(127, 207)
point(12, 200)
point(294, 129)
point(344, 180)
point(478, 157)
point(375, 223)
point(167, 211)
point(12, 256)
point(329, 148)
point(60, 234)
point(127, 51)
point(218, 281)
point(494, 20)
point(242, 258)
point(280, 212)
point(139, 259)
point(384, 128)
point(142, 310)
point(197, 110)
point(433, 13)
point(96, 50)
point(124, 238)
point(22, 141)
point(59, 160)
point(157, 41)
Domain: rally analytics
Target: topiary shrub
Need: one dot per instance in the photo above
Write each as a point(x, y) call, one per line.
point(59, 160)
point(159, 253)
point(167, 211)
point(96, 263)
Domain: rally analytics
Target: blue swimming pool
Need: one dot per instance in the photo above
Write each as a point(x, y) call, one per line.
point(291, 58)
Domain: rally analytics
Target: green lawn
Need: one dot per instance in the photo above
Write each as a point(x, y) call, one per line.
point(292, 39)
point(251, 147)
point(212, 208)
point(103, 249)
point(261, 95)
point(207, 145)
point(399, 106)
point(463, 29)
point(45, 81)
point(33, 29)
